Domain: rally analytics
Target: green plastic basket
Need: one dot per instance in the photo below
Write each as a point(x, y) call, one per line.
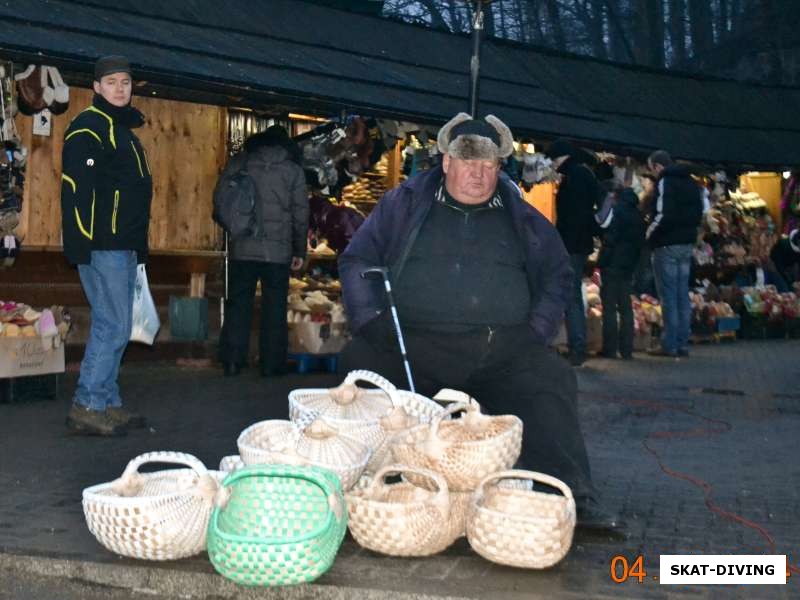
point(277, 525)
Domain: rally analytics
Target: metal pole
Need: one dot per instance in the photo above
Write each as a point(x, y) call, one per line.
point(475, 61)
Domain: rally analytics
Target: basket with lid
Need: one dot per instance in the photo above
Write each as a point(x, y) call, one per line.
point(317, 444)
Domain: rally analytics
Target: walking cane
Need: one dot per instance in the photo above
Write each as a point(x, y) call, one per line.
point(384, 272)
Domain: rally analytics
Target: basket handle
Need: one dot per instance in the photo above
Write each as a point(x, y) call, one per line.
point(442, 498)
point(130, 480)
point(470, 408)
point(386, 386)
point(448, 395)
point(530, 475)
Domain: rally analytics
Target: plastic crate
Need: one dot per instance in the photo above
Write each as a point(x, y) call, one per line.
point(725, 324)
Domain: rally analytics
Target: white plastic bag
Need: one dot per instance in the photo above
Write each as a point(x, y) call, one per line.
point(145, 317)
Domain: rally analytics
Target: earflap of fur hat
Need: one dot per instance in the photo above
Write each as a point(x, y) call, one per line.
point(443, 139)
point(506, 138)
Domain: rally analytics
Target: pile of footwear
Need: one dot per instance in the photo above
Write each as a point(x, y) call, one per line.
point(51, 325)
point(12, 170)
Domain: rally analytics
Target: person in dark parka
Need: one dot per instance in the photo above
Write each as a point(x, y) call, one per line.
point(623, 238)
point(267, 253)
point(480, 279)
point(576, 203)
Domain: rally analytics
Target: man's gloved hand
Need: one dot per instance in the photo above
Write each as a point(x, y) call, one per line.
point(380, 333)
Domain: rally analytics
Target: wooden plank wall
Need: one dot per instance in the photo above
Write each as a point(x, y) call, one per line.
point(186, 149)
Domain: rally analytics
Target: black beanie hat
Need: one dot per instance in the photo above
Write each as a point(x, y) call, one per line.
point(107, 65)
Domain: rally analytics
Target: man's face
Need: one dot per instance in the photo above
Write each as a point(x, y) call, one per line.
point(116, 88)
point(655, 168)
point(470, 181)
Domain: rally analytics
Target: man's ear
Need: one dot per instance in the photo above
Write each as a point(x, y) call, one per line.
point(96, 85)
point(445, 163)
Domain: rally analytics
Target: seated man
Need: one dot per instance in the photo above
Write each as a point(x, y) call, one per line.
point(481, 281)
point(786, 257)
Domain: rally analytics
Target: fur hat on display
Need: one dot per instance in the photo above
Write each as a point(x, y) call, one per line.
point(466, 138)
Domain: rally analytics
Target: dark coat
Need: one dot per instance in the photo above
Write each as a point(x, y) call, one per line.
point(389, 232)
point(678, 209)
point(281, 206)
point(106, 185)
point(624, 237)
point(576, 203)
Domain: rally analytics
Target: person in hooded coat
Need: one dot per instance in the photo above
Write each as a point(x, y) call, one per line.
point(266, 254)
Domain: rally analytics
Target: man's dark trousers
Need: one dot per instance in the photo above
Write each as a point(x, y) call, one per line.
point(507, 374)
point(273, 332)
point(615, 294)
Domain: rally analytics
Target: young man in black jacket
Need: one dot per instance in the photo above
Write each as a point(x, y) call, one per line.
point(619, 256)
point(106, 189)
point(672, 234)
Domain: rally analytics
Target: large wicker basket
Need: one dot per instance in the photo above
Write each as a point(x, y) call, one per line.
point(277, 525)
point(463, 450)
point(518, 527)
point(402, 519)
point(156, 516)
point(357, 412)
point(318, 444)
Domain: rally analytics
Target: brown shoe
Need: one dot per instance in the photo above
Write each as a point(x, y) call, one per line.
point(84, 421)
point(125, 417)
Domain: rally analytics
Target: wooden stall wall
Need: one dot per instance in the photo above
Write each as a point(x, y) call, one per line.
point(186, 149)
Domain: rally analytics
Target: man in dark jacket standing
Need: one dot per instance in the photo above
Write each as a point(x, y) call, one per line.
point(106, 189)
point(672, 235)
point(275, 244)
point(576, 203)
point(480, 280)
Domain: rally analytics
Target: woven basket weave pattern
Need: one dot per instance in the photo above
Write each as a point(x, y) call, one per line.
point(463, 450)
point(156, 516)
point(518, 527)
point(280, 525)
point(280, 442)
point(402, 519)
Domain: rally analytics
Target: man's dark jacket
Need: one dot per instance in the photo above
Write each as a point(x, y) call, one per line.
point(678, 210)
point(389, 232)
point(624, 238)
point(576, 203)
point(106, 185)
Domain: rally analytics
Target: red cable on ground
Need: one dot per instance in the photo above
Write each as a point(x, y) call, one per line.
point(722, 427)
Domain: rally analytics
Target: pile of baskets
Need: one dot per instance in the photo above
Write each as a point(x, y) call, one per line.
point(399, 469)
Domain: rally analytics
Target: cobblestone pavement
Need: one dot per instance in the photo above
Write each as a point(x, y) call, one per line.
point(732, 412)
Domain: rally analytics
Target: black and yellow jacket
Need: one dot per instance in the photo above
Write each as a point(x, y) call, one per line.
point(106, 185)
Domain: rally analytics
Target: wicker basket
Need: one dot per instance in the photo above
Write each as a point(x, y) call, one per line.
point(156, 516)
point(319, 445)
point(231, 463)
point(463, 450)
point(277, 525)
point(402, 519)
point(394, 426)
point(513, 526)
point(357, 412)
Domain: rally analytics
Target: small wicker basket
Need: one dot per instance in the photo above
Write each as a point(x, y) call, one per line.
point(518, 527)
point(155, 516)
point(318, 444)
point(402, 519)
point(357, 412)
point(463, 450)
point(277, 525)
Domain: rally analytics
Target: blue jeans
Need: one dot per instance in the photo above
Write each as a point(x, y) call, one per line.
point(576, 312)
point(671, 265)
point(108, 282)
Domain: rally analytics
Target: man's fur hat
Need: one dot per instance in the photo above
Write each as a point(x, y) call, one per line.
point(473, 139)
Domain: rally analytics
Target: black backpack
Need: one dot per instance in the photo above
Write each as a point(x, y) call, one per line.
point(235, 204)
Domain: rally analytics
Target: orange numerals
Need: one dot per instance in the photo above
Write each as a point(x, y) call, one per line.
point(622, 569)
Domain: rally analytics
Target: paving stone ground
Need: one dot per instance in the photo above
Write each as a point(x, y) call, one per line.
point(732, 412)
